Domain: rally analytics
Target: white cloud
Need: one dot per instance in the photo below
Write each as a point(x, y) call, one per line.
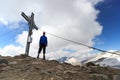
point(11, 50)
point(73, 61)
point(71, 19)
point(22, 38)
point(2, 20)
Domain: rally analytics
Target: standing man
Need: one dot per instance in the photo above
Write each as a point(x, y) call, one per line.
point(42, 45)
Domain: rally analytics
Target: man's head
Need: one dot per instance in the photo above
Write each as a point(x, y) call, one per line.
point(43, 33)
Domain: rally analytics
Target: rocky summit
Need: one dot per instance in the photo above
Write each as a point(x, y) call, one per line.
point(28, 68)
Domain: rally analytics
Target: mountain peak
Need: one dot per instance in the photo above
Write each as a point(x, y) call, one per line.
point(28, 68)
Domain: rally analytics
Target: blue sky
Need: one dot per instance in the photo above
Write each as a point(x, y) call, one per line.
point(8, 34)
point(66, 21)
point(109, 18)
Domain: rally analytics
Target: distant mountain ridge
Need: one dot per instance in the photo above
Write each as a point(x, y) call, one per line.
point(107, 59)
point(103, 59)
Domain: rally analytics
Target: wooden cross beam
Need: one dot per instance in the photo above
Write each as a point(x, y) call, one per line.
point(32, 26)
point(30, 20)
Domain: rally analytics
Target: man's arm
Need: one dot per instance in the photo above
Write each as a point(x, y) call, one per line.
point(46, 41)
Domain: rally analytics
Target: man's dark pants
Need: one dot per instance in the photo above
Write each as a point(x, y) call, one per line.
point(42, 46)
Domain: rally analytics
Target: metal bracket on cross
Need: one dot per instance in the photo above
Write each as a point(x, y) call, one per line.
point(32, 26)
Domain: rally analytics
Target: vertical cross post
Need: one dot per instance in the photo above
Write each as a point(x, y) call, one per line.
point(32, 26)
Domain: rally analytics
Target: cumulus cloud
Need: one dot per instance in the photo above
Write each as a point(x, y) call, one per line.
point(71, 19)
point(73, 61)
point(11, 50)
point(22, 38)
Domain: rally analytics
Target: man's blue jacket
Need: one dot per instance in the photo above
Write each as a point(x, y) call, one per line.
point(43, 40)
